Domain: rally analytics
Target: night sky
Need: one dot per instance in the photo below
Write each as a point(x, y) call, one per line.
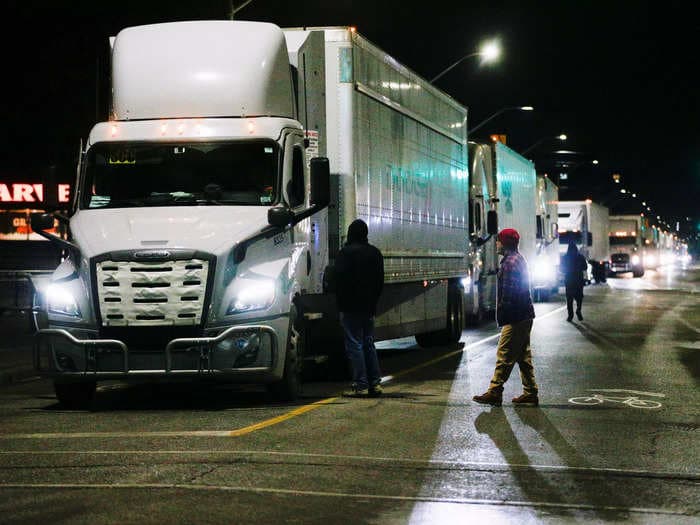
point(619, 78)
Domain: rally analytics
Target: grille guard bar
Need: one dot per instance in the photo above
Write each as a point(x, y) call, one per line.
point(90, 346)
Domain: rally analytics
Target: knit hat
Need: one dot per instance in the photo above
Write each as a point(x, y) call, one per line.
point(509, 237)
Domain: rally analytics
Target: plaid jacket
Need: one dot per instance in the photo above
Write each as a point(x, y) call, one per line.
point(514, 302)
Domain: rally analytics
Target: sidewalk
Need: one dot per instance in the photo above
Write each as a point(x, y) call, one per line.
point(16, 333)
point(16, 340)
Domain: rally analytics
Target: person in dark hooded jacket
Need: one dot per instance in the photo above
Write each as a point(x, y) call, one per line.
point(359, 279)
point(574, 266)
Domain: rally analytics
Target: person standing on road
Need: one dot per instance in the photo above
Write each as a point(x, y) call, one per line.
point(359, 272)
point(574, 266)
point(514, 314)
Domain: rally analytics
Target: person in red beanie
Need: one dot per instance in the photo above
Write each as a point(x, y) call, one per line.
point(514, 314)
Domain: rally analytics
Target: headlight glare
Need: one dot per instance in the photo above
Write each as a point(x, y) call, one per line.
point(635, 259)
point(60, 300)
point(253, 295)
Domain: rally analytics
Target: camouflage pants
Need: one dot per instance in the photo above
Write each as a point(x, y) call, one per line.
point(514, 347)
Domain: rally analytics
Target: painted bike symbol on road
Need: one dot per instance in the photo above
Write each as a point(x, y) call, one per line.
point(632, 398)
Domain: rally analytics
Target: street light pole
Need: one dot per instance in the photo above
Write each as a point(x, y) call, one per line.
point(499, 112)
point(561, 137)
point(490, 51)
point(235, 9)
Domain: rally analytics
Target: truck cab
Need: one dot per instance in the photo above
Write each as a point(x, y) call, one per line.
point(191, 229)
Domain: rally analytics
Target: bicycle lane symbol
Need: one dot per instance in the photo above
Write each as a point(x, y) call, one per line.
point(632, 398)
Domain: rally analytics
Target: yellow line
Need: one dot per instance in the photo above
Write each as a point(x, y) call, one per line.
point(280, 419)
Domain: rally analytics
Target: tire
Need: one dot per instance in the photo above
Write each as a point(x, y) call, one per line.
point(75, 395)
point(289, 387)
point(637, 273)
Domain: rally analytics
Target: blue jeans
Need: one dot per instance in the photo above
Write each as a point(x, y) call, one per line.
point(360, 350)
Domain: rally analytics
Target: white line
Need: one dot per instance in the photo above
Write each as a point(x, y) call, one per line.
point(324, 494)
point(654, 394)
point(438, 463)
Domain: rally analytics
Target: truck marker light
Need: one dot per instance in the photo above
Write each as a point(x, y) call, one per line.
point(163, 129)
point(180, 129)
point(114, 130)
point(251, 127)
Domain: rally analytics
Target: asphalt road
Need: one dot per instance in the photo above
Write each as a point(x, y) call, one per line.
point(615, 439)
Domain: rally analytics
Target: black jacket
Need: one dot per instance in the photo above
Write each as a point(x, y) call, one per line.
point(359, 277)
point(574, 268)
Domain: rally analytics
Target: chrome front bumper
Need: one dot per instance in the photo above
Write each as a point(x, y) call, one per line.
point(57, 352)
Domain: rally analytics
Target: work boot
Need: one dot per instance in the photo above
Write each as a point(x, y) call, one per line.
point(356, 391)
point(526, 400)
point(569, 318)
point(376, 391)
point(578, 315)
point(490, 398)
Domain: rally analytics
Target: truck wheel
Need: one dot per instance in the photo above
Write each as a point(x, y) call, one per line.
point(638, 273)
point(289, 387)
point(75, 395)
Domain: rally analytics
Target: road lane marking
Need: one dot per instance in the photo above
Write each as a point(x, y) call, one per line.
point(437, 464)
point(326, 494)
point(256, 426)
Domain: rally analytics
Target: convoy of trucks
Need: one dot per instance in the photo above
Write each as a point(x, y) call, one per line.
point(208, 211)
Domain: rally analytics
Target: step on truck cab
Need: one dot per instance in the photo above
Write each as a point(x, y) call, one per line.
point(209, 209)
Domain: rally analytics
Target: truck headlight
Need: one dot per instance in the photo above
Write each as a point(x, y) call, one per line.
point(543, 269)
point(61, 300)
point(650, 260)
point(635, 259)
point(252, 295)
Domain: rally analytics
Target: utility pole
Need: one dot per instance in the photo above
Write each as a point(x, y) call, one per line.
point(234, 9)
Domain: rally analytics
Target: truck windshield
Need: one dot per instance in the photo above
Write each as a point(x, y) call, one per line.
point(126, 175)
point(622, 241)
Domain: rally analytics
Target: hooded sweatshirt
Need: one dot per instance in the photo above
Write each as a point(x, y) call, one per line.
point(359, 272)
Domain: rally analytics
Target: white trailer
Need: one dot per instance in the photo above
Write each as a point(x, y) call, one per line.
point(587, 224)
point(201, 232)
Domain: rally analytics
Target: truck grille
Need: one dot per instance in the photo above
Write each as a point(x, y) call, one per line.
point(150, 293)
point(620, 258)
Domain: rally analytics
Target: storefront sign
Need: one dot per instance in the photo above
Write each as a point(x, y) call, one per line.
point(21, 192)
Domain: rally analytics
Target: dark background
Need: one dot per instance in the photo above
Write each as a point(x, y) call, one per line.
point(619, 78)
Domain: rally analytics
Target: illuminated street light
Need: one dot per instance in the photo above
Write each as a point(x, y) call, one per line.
point(561, 137)
point(623, 190)
point(490, 52)
point(500, 111)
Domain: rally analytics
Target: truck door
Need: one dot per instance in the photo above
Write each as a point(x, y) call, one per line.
point(295, 191)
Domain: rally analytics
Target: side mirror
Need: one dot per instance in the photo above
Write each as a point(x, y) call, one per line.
point(41, 221)
point(320, 182)
point(279, 216)
point(492, 222)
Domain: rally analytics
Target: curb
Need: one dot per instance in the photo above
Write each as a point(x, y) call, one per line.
point(16, 375)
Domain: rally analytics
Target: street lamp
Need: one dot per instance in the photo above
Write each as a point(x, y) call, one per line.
point(500, 111)
point(490, 51)
point(561, 137)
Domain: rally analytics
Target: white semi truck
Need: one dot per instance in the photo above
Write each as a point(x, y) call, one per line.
point(587, 224)
point(209, 209)
point(502, 192)
point(545, 272)
point(627, 243)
